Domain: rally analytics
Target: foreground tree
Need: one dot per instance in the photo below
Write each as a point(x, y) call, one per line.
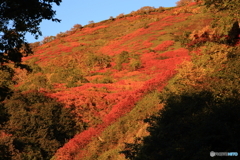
point(36, 126)
point(18, 18)
point(189, 127)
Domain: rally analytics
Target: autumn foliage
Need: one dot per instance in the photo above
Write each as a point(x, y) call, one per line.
point(101, 71)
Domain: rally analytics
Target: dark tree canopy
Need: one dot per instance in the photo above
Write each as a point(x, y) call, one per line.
point(18, 18)
point(38, 126)
point(189, 127)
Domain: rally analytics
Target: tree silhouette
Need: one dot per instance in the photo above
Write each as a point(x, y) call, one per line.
point(38, 126)
point(18, 18)
point(189, 127)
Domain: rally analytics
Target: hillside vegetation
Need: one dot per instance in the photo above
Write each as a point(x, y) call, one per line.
point(139, 86)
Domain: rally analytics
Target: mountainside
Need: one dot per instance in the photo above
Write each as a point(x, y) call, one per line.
point(104, 70)
point(112, 74)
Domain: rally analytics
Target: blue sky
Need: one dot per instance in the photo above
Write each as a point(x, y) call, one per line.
point(73, 12)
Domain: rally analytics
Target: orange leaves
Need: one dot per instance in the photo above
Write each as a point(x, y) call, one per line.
point(164, 45)
point(181, 52)
point(116, 46)
point(147, 44)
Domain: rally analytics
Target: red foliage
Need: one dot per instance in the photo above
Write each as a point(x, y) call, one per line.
point(108, 102)
point(181, 52)
point(79, 141)
point(116, 46)
point(163, 46)
point(119, 97)
point(192, 4)
point(4, 135)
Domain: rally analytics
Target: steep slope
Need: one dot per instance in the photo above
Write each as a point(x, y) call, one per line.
point(111, 74)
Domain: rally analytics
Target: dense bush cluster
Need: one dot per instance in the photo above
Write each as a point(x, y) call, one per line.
point(125, 57)
point(33, 126)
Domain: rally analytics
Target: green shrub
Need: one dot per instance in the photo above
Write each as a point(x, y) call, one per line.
point(183, 39)
point(6, 74)
point(160, 9)
point(105, 79)
point(145, 26)
point(34, 67)
point(125, 57)
point(6, 83)
point(36, 81)
point(93, 60)
point(135, 64)
point(76, 80)
point(121, 58)
point(70, 75)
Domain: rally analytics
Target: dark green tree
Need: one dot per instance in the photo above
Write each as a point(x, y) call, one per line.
point(189, 127)
point(18, 18)
point(38, 125)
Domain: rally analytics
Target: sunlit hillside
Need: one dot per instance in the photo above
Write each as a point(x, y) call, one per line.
point(103, 70)
point(112, 75)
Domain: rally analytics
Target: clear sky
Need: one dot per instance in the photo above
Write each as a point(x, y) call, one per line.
point(73, 12)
